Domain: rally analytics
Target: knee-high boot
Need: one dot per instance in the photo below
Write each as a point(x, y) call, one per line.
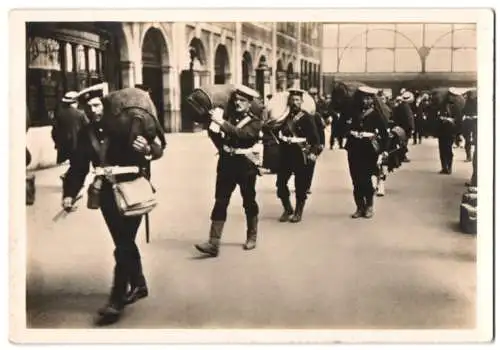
point(287, 209)
point(360, 206)
point(252, 223)
point(299, 209)
point(369, 207)
point(212, 246)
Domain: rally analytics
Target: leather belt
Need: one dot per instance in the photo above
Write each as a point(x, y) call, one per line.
point(363, 134)
point(291, 139)
point(116, 170)
point(243, 151)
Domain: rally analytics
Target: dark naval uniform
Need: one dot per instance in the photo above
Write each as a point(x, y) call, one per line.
point(469, 124)
point(449, 124)
point(92, 146)
point(294, 161)
point(238, 135)
point(320, 127)
point(362, 155)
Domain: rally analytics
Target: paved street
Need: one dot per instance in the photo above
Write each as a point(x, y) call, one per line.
point(408, 267)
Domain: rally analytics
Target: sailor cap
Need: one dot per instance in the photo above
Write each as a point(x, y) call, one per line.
point(454, 91)
point(70, 97)
point(368, 90)
point(246, 92)
point(99, 90)
point(296, 92)
point(407, 96)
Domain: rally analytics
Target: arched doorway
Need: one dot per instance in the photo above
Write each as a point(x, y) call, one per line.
point(247, 69)
point(290, 75)
point(221, 68)
point(154, 58)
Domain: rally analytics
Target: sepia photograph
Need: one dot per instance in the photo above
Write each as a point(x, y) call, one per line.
point(308, 171)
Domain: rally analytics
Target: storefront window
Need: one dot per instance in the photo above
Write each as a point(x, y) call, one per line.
point(44, 54)
point(58, 62)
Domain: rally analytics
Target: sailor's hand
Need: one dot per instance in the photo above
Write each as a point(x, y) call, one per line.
point(312, 157)
point(141, 145)
point(381, 158)
point(67, 204)
point(216, 115)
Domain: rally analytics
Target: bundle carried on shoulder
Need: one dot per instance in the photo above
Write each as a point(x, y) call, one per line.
point(277, 108)
point(203, 99)
point(342, 95)
point(130, 112)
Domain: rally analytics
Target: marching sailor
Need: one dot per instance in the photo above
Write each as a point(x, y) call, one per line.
point(95, 145)
point(366, 146)
point(299, 146)
point(450, 120)
point(235, 134)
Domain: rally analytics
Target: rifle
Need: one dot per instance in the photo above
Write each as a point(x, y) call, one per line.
point(63, 212)
point(147, 227)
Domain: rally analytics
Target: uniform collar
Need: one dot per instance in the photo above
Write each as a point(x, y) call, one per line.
point(98, 125)
point(239, 117)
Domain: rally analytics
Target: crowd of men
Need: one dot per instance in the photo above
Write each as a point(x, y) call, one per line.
point(416, 114)
point(299, 135)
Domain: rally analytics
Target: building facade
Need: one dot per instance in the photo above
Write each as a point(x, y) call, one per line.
point(395, 55)
point(171, 58)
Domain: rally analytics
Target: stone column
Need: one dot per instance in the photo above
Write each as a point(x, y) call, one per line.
point(238, 57)
point(274, 59)
point(297, 70)
point(210, 64)
point(179, 63)
point(127, 71)
point(174, 99)
point(167, 99)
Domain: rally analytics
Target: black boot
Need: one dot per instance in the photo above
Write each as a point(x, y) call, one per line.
point(112, 311)
point(360, 207)
point(297, 216)
point(211, 247)
point(109, 314)
point(287, 210)
point(369, 207)
point(252, 223)
point(138, 287)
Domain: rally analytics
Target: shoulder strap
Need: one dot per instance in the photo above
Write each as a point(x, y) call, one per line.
point(294, 121)
point(100, 149)
point(244, 122)
point(298, 116)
